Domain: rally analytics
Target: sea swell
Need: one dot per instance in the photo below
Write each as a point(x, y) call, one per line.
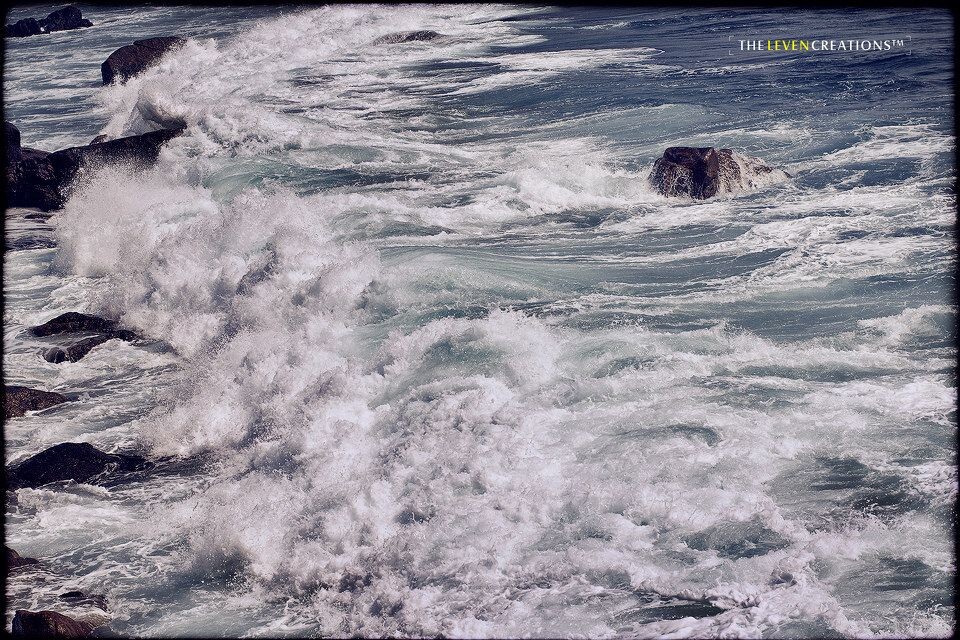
point(429, 365)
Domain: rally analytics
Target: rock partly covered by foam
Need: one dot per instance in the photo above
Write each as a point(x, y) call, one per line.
point(41, 179)
point(128, 61)
point(48, 624)
point(60, 20)
point(408, 36)
point(77, 461)
point(702, 173)
point(16, 561)
point(18, 400)
point(72, 323)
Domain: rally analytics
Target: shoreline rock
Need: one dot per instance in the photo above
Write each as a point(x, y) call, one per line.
point(704, 172)
point(16, 561)
point(48, 624)
point(65, 19)
point(42, 179)
point(18, 400)
point(73, 322)
point(77, 461)
point(133, 59)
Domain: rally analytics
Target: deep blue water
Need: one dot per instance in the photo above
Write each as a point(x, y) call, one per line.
point(487, 382)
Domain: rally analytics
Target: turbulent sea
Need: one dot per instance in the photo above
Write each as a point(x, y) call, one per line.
point(428, 355)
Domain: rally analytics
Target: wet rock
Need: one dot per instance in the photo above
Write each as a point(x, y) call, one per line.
point(48, 624)
point(11, 138)
point(60, 20)
point(77, 461)
point(23, 28)
point(100, 138)
point(702, 173)
point(18, 400)
point(128, 61)
point(408, 36)
point(15, 560)
point(42, 180)
point(74, 352)
point(65, 19)
point(79, 598)
point(74, 322)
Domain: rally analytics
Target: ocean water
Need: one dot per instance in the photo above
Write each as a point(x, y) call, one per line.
point(426, 355)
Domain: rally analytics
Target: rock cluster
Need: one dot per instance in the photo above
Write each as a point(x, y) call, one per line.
point(60, 20)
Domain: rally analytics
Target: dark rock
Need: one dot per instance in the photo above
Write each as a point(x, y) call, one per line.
point(64, 20)
point(11, 137)
point(18, 400)
point(24, 28)
point(407, 36)
point(77, 461)
point(100, 138)
point(128, 61)
point(60, 20)
point(702, 173)
point(73, 322)
point(48, 624)
point(42, 180)
point(79, 598)
point(74, 352)
point(15, 560)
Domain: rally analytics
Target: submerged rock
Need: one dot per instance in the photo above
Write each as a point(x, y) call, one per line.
point(132, 59)
point(60, 20)
point(40, 179)
point(705, 172)
point(74, 352)
point(408, 36)
point(77, 461)
point(48, 624)
point(15, 560)
point(18, 400)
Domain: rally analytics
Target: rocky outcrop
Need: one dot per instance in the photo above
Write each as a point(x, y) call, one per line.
point(702, 173)
point(74, 322)
point(42, 180)
point(16, 561)
point(60, 20)
point(408, 36)
point(79, 598)
point(77, 461)
point(65, 19)
point(128, 61)
point(18, 400)
point(48, 624)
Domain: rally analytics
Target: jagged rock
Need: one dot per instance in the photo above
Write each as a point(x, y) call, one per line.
point(18, 400)
point(128, 61)
point(48, 624)
point(408, 36)
point(15, 560)
point(65, 19)
point(60, 20)
point(24, 28)
point(702, 173)
point(40, 179)
point(74, 322)
point(74, 352)
point(77, 461)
